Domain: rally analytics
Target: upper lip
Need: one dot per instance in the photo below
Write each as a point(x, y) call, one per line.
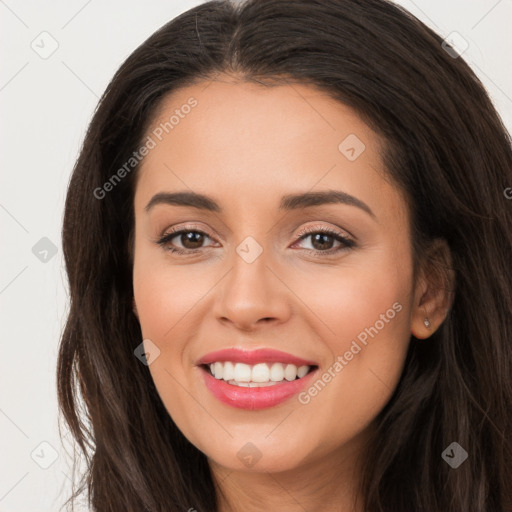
point(261, 355)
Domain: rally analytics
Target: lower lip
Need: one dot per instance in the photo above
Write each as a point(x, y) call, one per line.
point(255, 398)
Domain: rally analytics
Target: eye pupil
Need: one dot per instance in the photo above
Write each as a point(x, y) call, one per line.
point(319, 240)
point(192, 237)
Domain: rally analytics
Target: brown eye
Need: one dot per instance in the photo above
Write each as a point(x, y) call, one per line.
point(324, 240)
point(186, 241)
point(191, 239)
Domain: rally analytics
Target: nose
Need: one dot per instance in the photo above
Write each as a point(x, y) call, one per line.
point(252, 295)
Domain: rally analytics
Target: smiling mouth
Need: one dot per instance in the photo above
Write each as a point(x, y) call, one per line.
point(257, 375)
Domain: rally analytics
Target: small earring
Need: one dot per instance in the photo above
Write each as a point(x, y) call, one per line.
point(427, 323)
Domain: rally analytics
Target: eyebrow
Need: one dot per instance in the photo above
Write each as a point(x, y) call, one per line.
point(288, 202)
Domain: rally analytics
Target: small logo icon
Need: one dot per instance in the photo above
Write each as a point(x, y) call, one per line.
point(45, 45)
point(351, 147)
point(454, 45)
point(44, 455)
point(147, 352)
point(249, 455)
point(249, 249)
point(454, 455)
point(44, 250)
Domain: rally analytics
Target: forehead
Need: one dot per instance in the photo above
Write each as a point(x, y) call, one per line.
point(243, 141)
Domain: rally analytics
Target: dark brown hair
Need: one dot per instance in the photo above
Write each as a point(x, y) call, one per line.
point(446, 147)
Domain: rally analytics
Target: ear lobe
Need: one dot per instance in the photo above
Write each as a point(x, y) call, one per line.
point(434, 291)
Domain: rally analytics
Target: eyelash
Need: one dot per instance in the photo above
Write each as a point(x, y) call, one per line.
point(347, 243)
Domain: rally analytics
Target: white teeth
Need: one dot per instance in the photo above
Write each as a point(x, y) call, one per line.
point(261, 374)
point(251, 384)
point(242, 372)
point(277, 372)
point(302, 371)
point(229, 371)
point(218, 370)
point(290, 372)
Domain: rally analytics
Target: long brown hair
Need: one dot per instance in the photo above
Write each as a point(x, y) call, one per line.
point(446, 148)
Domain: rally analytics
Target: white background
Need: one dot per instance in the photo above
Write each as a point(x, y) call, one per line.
point(46, 105)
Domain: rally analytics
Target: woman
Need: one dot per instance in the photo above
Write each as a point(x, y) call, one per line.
point(288, 250)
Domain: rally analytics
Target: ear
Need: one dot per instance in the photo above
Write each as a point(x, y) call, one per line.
point(135, 309)
point(434, 290)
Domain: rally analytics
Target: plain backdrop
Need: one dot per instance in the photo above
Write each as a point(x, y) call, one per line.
point(46, 103)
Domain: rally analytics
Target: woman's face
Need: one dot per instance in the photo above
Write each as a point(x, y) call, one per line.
point(251, 278)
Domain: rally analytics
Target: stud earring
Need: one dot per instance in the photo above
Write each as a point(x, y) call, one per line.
point(427, 323)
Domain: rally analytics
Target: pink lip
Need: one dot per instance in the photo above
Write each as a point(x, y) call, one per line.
point(255, 398)
point(262, 355)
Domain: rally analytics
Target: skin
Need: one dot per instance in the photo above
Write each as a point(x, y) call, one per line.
point(246, 146)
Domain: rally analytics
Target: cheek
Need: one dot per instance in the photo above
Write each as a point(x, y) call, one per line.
point(164, 294)
point(367, 311)
point(168, 298)
point(360, 295)
point(364, 300)
point(172, 302)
